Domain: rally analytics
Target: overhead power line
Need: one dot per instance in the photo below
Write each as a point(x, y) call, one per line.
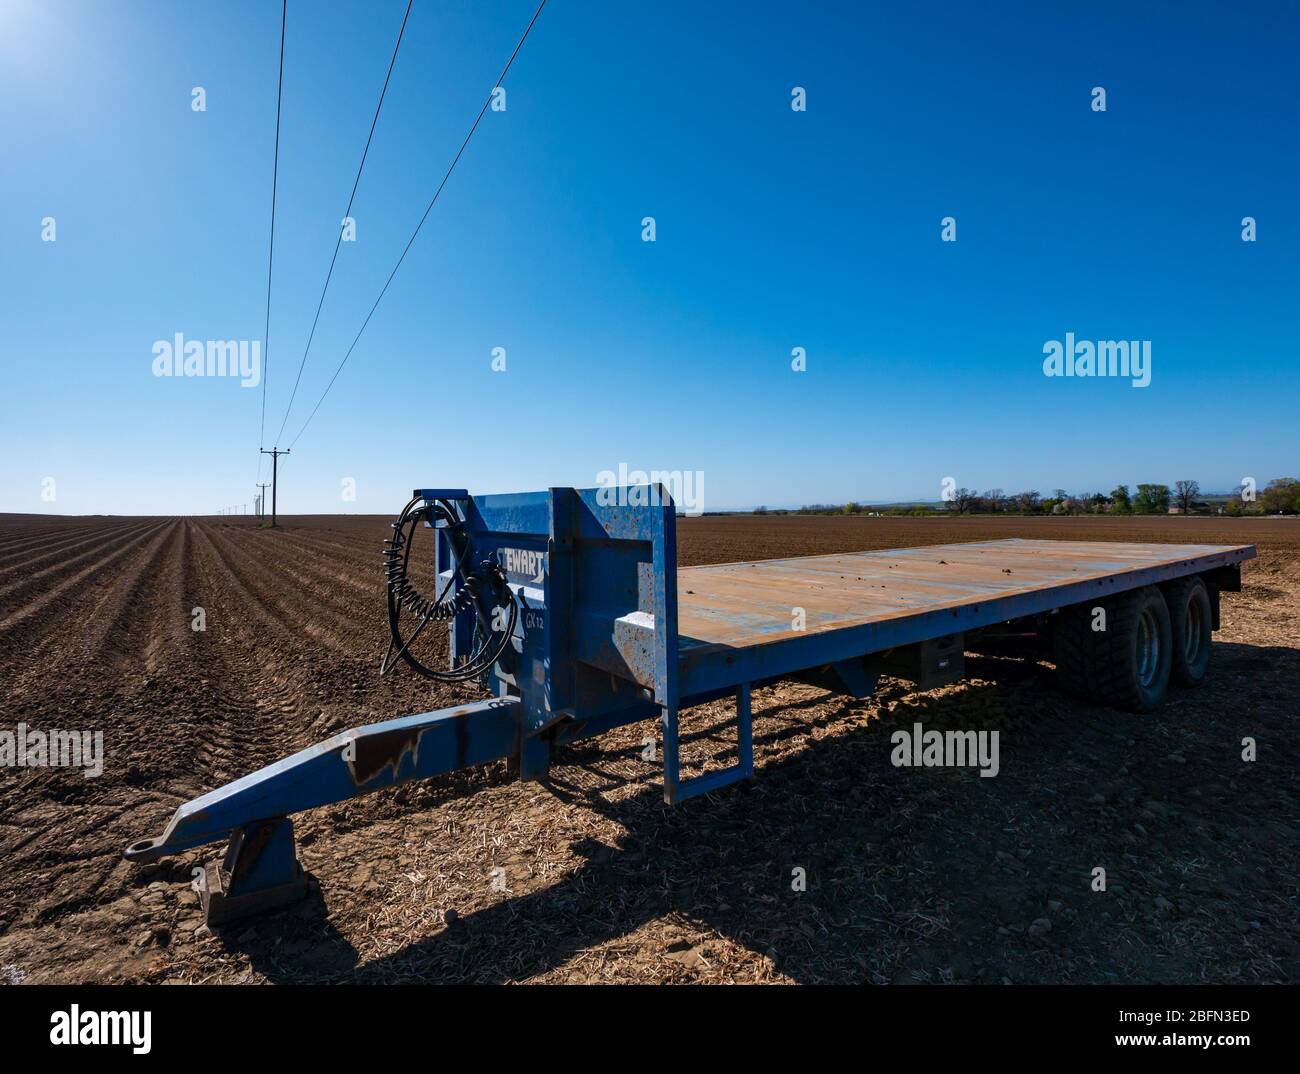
point(270, 256)
point(346, 213)
point(432, 201)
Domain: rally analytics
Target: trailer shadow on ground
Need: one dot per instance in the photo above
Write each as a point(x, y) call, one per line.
point(836, 865)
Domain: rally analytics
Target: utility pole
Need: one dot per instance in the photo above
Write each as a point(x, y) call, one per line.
point(261, 500)
point(275, 466)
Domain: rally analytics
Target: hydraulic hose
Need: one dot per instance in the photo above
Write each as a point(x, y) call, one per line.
point(487, 581)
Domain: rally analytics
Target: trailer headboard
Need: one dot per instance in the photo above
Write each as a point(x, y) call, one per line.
point(595, 574)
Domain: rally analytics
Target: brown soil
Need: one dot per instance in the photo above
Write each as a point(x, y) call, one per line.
point(912, 874)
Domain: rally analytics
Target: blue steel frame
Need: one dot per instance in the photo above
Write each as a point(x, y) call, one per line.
point(596, 646)
point(595, 575)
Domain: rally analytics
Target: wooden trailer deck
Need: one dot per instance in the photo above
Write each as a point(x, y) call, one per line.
point(743, 605)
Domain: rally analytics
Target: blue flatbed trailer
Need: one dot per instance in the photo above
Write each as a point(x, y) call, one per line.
point(606, 630)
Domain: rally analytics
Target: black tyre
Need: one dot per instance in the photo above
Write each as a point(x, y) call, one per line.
point(1072, 650)
point(1127, 664)
point(1190, 621)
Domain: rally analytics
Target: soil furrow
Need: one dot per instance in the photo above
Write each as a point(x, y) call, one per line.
point(274, 598)
point(17, 554)
point(23, 625)
point(118, 621)
point(48, 578)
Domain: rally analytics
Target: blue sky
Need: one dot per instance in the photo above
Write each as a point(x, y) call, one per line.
point(774, 229)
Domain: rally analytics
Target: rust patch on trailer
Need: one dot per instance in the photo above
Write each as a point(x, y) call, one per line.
point(374, 753)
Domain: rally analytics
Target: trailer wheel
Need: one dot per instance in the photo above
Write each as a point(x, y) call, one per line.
point(1190, 621)
point(1126, 665)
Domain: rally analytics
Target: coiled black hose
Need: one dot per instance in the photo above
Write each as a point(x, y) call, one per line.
point(486, 578)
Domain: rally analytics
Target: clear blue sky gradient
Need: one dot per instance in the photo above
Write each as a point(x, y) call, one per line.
point(775, 229)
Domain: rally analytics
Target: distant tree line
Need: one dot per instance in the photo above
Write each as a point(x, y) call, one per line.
point(1280, 496)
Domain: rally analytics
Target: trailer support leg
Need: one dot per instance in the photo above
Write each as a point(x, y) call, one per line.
point(677, 789)
point(260, 872)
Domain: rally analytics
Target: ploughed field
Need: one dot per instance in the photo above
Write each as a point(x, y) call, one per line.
point(911, 874)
